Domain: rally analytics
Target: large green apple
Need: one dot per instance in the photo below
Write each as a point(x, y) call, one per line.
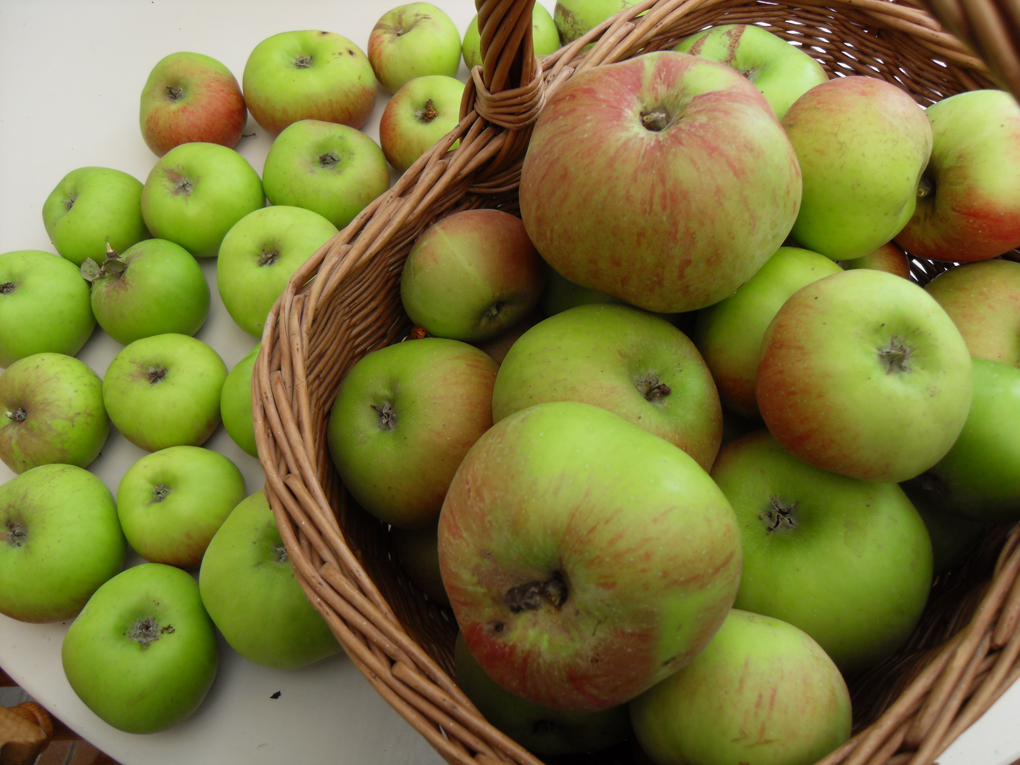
point(411, 410)
point(781, 71)
point(248, 586)
point(171, 502)
point(331, 169)
point(259, 255)
point(544, 37)
point(714, 709)
point(620, 358)
point(847, 561)
point(729, 333)
point(92, 207)
point(418, 115)
point(51, 411)
point(196, 192)
point(664, 180)
point(472, 275)
point(142, 653)
point(585, 558)
point(60, 541)
point(44, 306)
point(862, 145)
point(862, 373)
point(413, 40)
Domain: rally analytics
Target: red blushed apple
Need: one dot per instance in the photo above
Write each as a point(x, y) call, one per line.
point(190, 97)
point(889, 257)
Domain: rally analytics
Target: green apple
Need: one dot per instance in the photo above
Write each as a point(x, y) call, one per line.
point(862, 145)
point(51, 411)
point(308, 75)
point(93, 206)
point(418, 115)
point(142, 653)
point(847, 561)
point(983, 300)
point(729, 333)
point(412, 410)
point(251, 593)
point(171, 502)
point(625, 360)
point(472, 275)
point(152, 288)
point(585, 558)
point(44, 306)
point(190, 97)
point(196, 192)
point(545, 37)
point(61, 540)
point(413, 40)
point(164, 391)
point(236, 406)
point(418, 553)
point(331, 169)
point(862, 373)
point(781, 71)
point(260, 254)
point(714, 710)
point(574, 18)
point(545, 731)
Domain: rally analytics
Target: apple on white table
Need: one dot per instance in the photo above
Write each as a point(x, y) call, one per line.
point(235, 403)
point(413, 40)
point(190, 97)
point(420, 113)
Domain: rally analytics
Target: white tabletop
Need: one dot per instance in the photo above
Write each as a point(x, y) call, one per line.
point(71, 72)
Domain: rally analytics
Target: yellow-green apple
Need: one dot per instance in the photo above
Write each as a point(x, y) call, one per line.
point(542, 730)
point(191, 97)
point(152, 288)
point(585, 558)
point(472, 275)
point(979, 478)
point(61, 540)
point(331, 169)
point(259, 255)
point(51, 411)
point(236, 404)
point(164, 391)
point(196, 192)
point(889, 257)
point(968, 201)
point(44, 306)
point(411, 410)
point(418, 553)
point(413, 40)
point(171, 502)
point(622, 359)
point(308, 75)
point(729, 333)
point(92, 207)
point(862, 373)
point(847, 561)
point(862, 145)
point(574, 18)
point(664, 180)
point(544, 37)
point(142, 653)
point(983, 300)
point(762, 693)
point(781, 71)
point(248, 586)
point(420, 113)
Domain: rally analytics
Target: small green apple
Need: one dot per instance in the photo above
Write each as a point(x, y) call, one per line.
point(413, 40)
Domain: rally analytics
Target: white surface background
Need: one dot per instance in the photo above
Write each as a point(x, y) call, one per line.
point(71, 73)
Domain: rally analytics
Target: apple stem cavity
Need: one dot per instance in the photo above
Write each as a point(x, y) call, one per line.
point(281, 553)
point(655, 120)
point(303, 62)
point(18, 415)
point(779, 515)
point(269, 257)
point(653, 390)
point(427, 113)
point(159, 493)
point(69, 202)
point(387, 416)
point(493, 311)
point(328, 161)
point(174, 94)
point(531, 595)
point(7, 288)
point(156, 374)
point(147, 631)
point(895, 357)
point(16, 534)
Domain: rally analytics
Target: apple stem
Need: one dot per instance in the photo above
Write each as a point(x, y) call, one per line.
point(18, 415)
point(427, 113)
point(779, 515)
point(655, 120)
point(159, 493)
point(328, 160)
point(174, 94)
point(147, 631)
point(303, 62)
point(494, 310)
point(653, 390)
point(69, 203)
point(926, 187)
point(269, 257)
point(16, 534)
point(156, 374)
point(895, 357)
point(7, 288)
point(531, 595)
point(387, 416)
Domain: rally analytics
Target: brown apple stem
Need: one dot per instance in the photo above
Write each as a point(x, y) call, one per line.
point(16, 534)
point(926, 187)
point(531, 595)
point(779, 515)
point(18, 415)
point(174, 94)
point(7, 288)
point(156, 374)
point(387, 416)
point(159, 493)
point(656, 119)
point(329, 160)
point(427, 113)
point(653, 390)
point(69, 203)
point(147, 631)
point(269, 257)
point(895, 357)
point(303, 62)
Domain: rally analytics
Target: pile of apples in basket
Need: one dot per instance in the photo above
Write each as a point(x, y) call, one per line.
point(681, 447)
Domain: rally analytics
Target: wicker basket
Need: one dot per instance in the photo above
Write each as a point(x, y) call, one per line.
point(345, 302)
